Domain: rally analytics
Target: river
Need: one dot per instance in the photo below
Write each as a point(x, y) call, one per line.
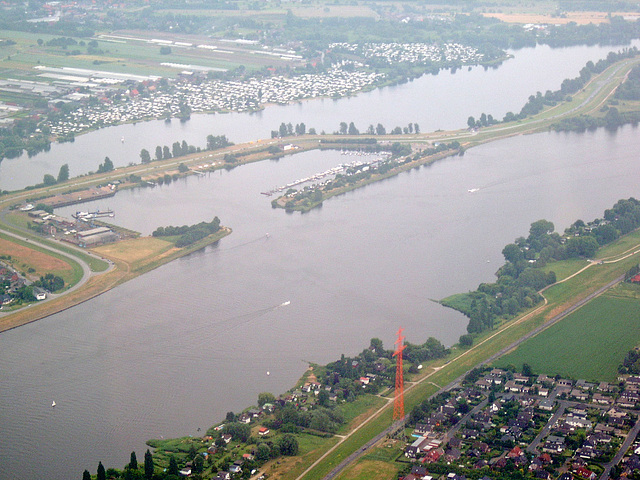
point(175, 349)
point(443, 101)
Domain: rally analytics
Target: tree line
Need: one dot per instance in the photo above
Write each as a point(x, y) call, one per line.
point(48, 179)
point(179, 149)
point(379, 129)
point(522, 275)
point(50, 282)
point(629, 90)
point(536, 103)
point(288, 130)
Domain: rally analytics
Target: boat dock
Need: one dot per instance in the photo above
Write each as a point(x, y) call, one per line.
point(332, 171)
point(96, 214)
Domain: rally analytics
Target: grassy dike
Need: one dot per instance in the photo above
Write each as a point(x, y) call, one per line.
point(560, 297)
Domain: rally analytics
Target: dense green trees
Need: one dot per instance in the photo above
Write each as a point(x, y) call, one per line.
point(263, 452)
point(148, 465)
point(430, 349)
point(631, 362)
point(63, 174)
point(265, 397)
point(173, 466)
point(521, 277)
point(101, 475)
point(288, 445)
point(189, 234)
point(133, 461)
point(106, 166)
point(238, 431)
point(215, 142)
point(145, 157)
point(48, 180)
point(50, 282)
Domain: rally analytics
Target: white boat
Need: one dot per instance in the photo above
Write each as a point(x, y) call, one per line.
point(473, 190)
point(53, 404)
point(286, 303)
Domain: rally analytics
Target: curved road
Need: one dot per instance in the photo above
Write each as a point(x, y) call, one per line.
point(86, 270)
point(357, 454)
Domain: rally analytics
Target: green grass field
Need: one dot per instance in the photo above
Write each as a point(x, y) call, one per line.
point(362, 404)
point(588, 344)
point(565, 268)
point(123, 56)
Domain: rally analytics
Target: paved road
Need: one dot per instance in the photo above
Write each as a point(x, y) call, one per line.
point(631, 436)
point(455, 383)
point(86, 270)
point(533, 446)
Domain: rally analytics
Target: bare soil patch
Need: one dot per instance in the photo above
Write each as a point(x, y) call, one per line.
point(41, 262)
point(581, 18)
point(135, 249)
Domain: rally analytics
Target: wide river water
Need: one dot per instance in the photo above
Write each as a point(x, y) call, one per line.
point(174, 350)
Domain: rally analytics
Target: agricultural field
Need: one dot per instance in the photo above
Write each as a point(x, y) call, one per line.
point(120, 53)
point(602, 331)
point(34, 262)
point(581, 18)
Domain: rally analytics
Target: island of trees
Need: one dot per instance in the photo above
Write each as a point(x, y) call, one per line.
point(187, 235)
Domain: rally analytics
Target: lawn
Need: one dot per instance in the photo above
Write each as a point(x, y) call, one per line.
point(565, 268)
point(363, 407)
point(458, 301)
point(370, 470)
point(589, 344)
point(628, 242)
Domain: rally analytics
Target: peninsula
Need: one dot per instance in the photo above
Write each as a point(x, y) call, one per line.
point(135, 256)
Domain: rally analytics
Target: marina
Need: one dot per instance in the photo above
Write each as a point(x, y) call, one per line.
point(340, 169)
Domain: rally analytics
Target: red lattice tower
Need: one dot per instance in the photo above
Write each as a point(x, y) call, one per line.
point(398, 404)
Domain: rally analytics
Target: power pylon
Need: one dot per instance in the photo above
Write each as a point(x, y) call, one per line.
point(398, 403)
